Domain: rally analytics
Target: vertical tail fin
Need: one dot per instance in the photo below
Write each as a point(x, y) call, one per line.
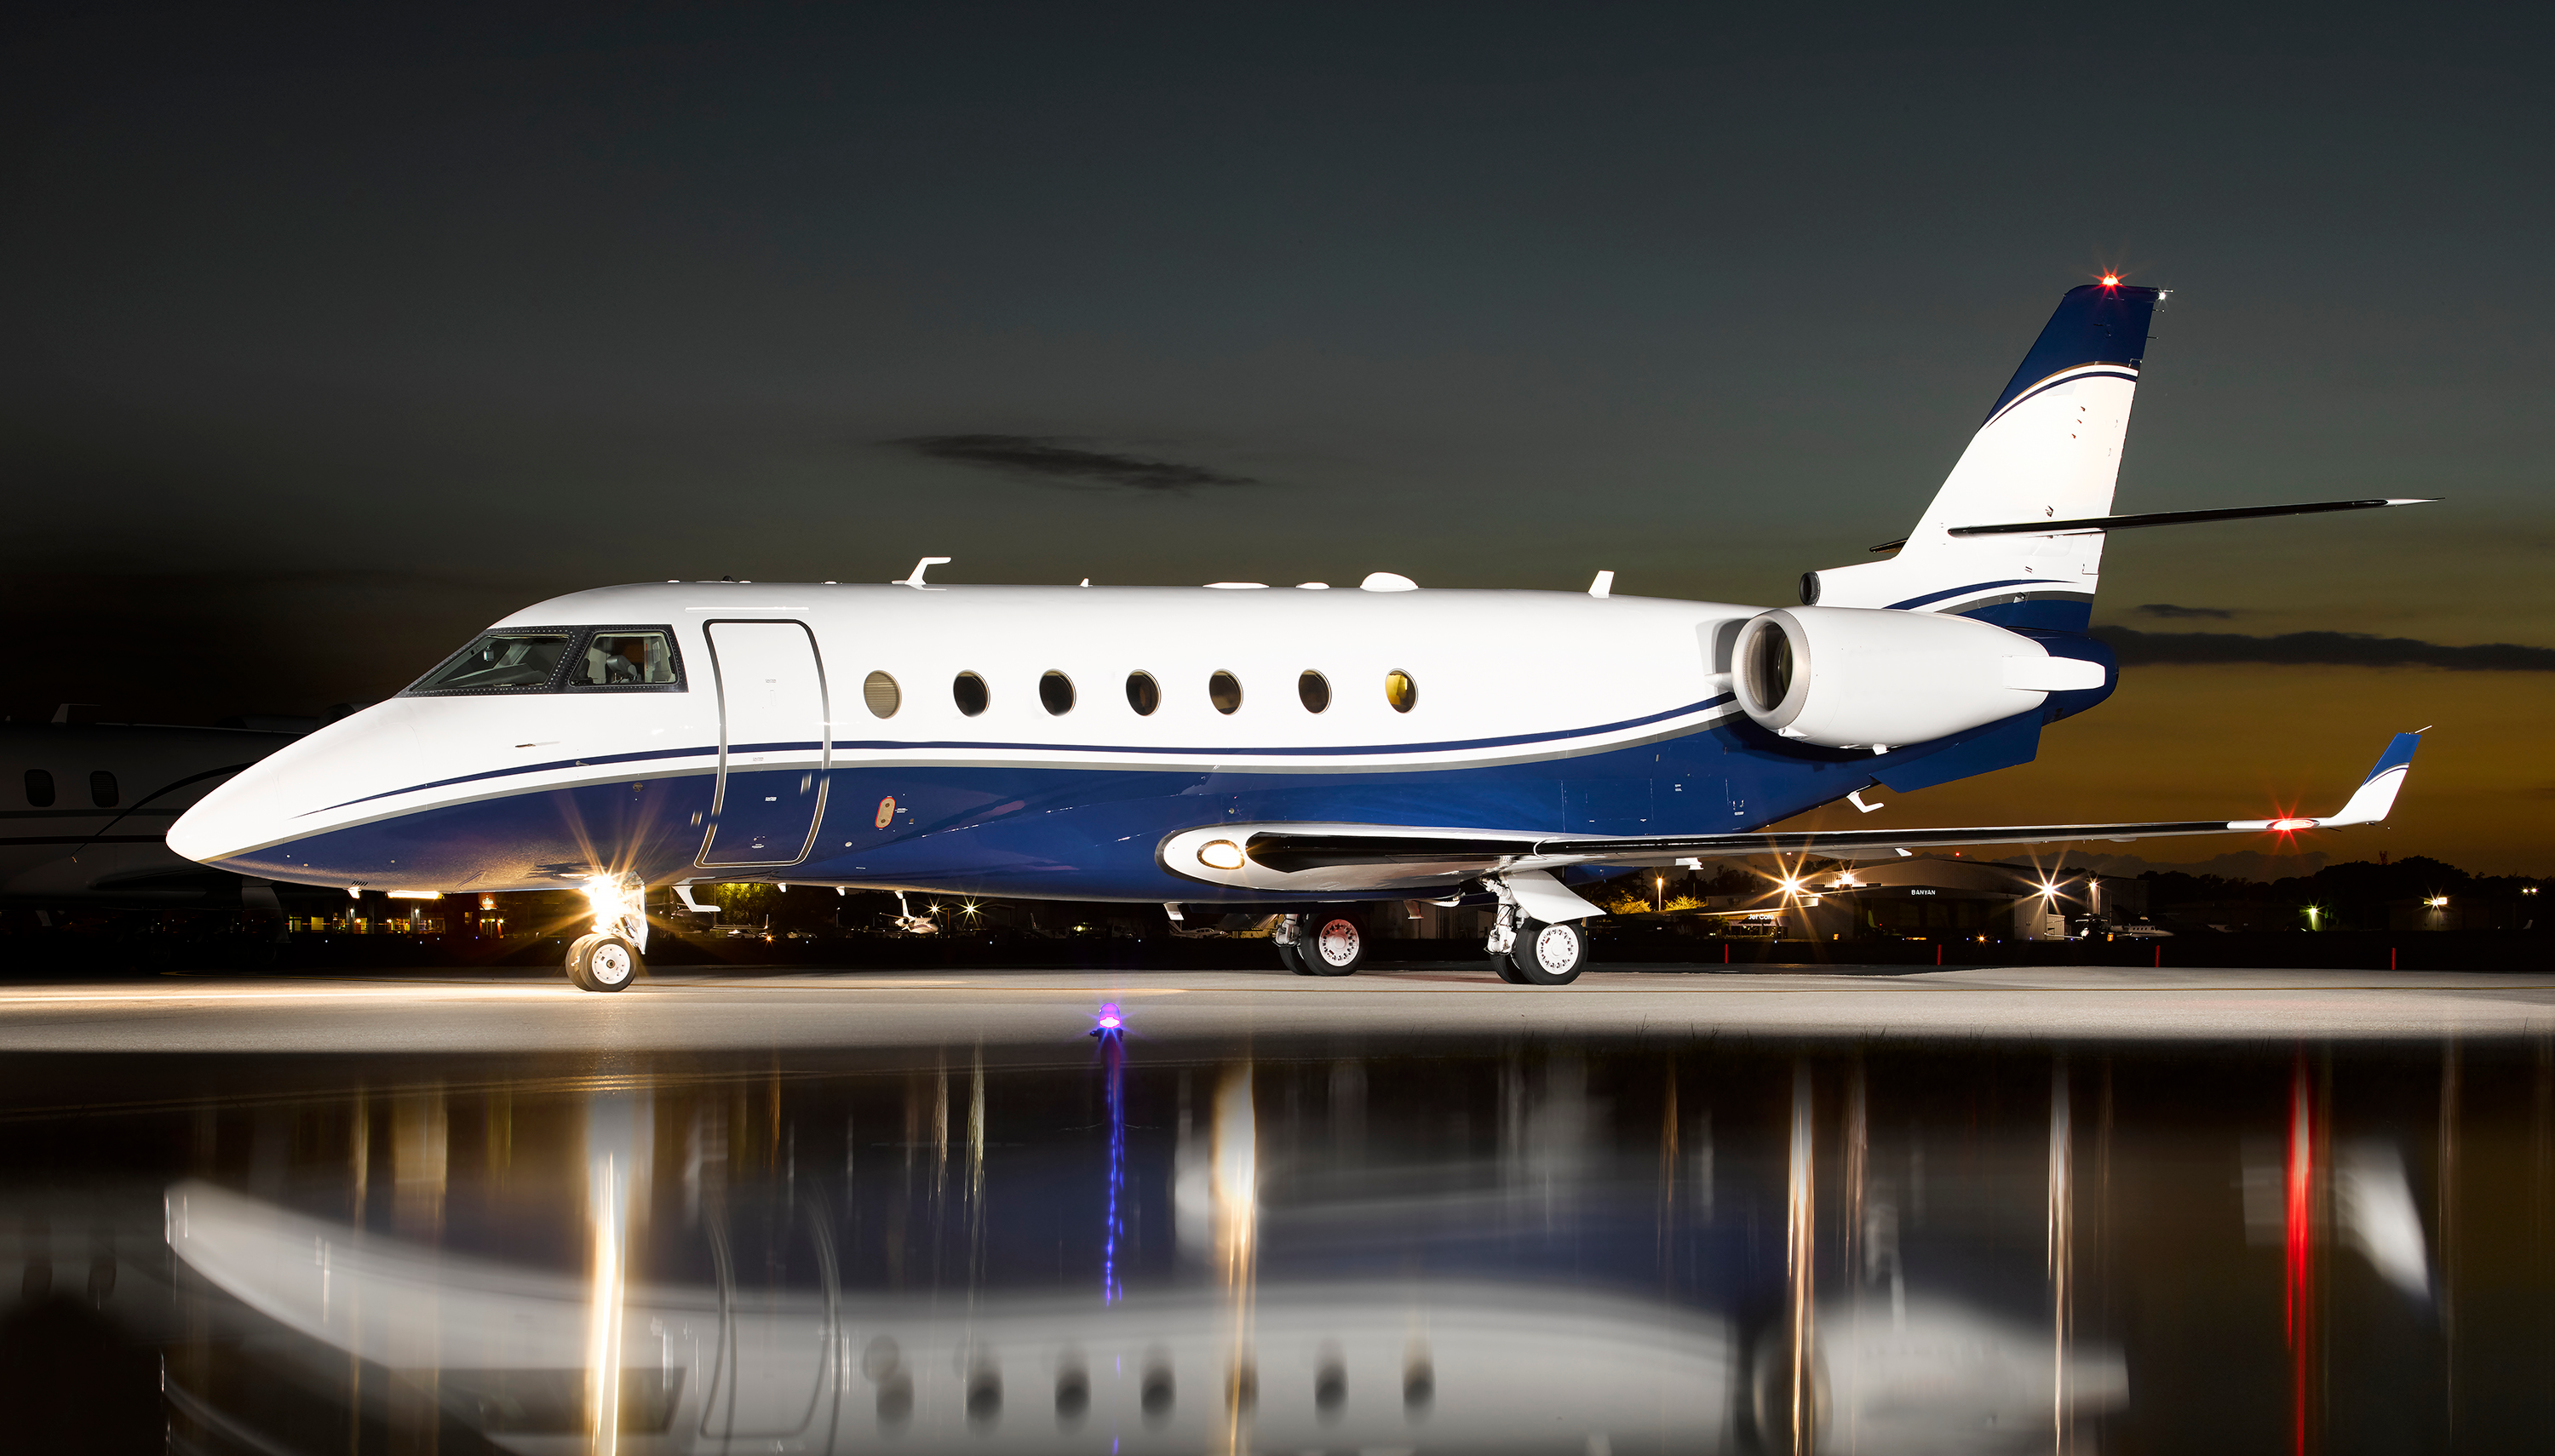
point(2050, 448)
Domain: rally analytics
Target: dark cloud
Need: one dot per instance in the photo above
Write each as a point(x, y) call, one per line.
point(2168, 609)
point(1055, 462)
point(2340, 649)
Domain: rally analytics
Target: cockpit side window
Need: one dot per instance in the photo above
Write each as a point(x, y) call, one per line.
point(560, 660)
point(524, 661)
point(627, 658)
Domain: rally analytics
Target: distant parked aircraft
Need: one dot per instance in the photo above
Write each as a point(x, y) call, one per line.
point(85, 809)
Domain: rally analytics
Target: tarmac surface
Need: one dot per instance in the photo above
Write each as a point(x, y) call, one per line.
point(742, 1010)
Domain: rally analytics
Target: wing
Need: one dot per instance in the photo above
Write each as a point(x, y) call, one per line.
point(1333, 858)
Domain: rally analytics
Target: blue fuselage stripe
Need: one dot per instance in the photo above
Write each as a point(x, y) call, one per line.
point(1937, 596)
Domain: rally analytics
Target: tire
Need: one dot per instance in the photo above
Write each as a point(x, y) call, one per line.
point(1337, 946)
point(1293, 958)
point(1550, 954)
point(1506, 969)
point(576, 960)
point(603, 963)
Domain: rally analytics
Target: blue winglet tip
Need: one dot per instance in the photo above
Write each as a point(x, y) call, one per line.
point(2399, 752)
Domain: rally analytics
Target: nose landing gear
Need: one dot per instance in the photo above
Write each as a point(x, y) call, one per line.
point(602, 963)
point(611, 957)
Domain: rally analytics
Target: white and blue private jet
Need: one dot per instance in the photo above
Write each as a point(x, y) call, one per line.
point(1301, 750)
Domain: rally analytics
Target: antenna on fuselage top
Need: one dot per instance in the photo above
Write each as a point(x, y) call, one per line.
point(926, 564)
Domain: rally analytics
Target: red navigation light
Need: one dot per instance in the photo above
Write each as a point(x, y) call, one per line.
point(2111, 280)
point(2287, 825)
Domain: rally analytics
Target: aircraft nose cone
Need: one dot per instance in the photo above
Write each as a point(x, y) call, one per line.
point(273, 801)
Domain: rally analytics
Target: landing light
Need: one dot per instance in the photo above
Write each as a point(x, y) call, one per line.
point(2285, 826)
point(2436, 901)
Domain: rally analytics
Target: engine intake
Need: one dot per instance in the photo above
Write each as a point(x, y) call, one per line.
point(1876, 678)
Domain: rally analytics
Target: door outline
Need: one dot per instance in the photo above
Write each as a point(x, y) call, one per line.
point(824, 744)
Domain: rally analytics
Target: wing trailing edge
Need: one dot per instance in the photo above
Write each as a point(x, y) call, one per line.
point(1338, 854)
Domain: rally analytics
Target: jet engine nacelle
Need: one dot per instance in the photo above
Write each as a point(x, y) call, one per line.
point(1875, 678)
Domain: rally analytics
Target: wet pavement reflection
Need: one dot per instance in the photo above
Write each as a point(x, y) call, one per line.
point(1549, 1246)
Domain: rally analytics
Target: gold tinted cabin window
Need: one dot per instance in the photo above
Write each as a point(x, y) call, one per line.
point(1401, 691)
point(1225, 692)
point(970, 694)
point(879, 690)
point(1144, 695)
point(1315, 690)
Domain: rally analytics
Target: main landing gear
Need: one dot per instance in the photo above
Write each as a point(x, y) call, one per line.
point(1523, 951)
point(1321, 944)
point(1530, 952)
point(609, 958)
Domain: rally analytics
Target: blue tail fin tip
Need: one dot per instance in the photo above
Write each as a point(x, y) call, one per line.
point(2098, 324)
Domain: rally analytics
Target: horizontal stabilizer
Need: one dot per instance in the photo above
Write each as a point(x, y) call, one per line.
point(2093, 524)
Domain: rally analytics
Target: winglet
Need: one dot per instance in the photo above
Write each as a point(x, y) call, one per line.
point(2377, 792)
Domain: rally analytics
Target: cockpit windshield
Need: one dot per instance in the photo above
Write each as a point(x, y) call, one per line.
point(560, 660)
point(501, 661)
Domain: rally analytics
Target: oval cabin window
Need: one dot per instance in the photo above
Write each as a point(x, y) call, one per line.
point(880, 692)
point(1225, 692)
point(1315, 690)
point(1055, 694)
point(101, 790)
point(1401, 691)
point(970, 694)
point(40, 789)
point(1144, 695)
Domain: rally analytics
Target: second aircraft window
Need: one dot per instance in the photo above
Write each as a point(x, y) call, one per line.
point(40, 789)
point(1315, 690)
point(1055, 694)
point(970, 694)
point(101, 790)
point(1225, 692)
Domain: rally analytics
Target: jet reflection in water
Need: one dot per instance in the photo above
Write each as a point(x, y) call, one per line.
point(1561, 1247)
point(1328, 1284)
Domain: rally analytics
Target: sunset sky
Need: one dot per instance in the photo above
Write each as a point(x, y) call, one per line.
point(332, 333)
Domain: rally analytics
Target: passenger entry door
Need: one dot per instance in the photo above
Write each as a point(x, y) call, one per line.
point(773, 743)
